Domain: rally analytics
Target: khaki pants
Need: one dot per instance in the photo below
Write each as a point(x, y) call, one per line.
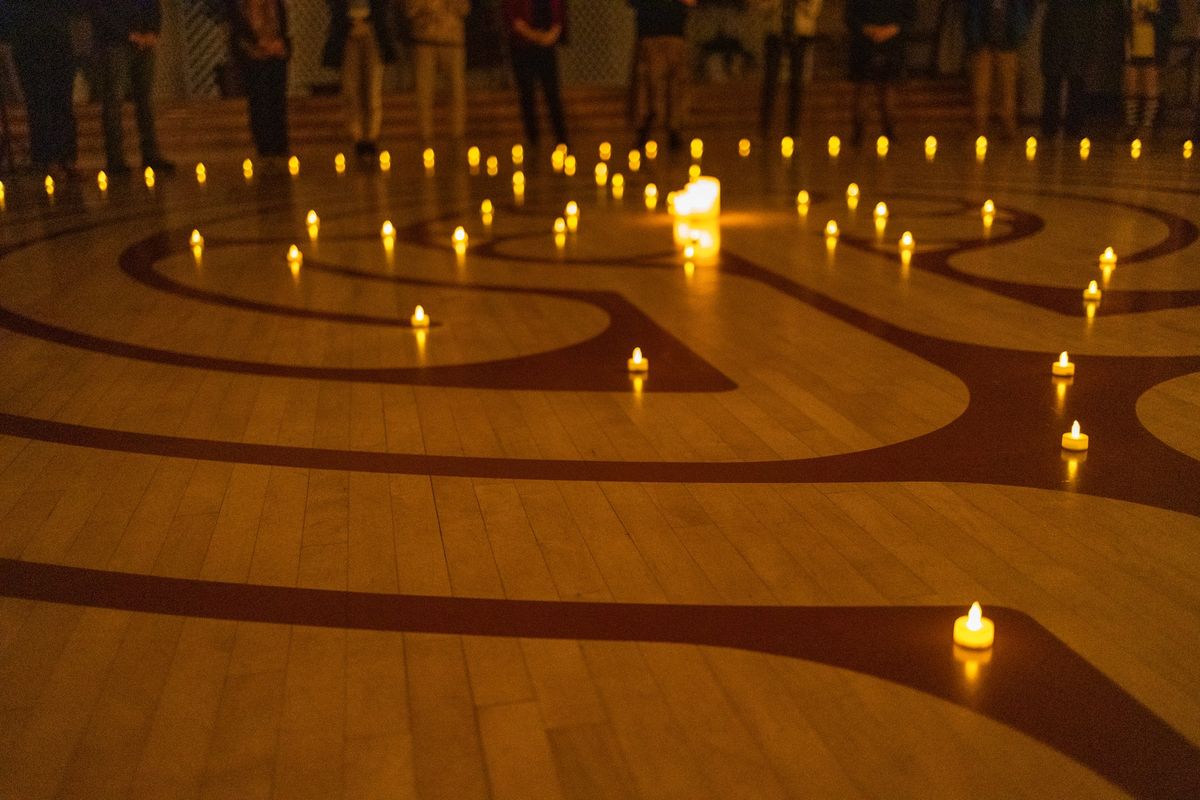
point(662, 82)
point(985, 63)
point(362, 83)
point(430, 60)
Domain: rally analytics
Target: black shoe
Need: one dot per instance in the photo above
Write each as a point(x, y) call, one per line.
point(366, 150)
point(161, 165)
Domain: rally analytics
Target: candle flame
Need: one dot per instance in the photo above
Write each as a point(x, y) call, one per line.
point(743, 147)
point(975, 617)
point(339, 163)
point(881, 210)
point(637, 355)
point(569, 162)
point(697, 148)
point(1075, 429)
point(651, 149)
point(294, 166)
point(831, 229)
point(635, 160)
point(49, 183)
point(294, 253)
point(931, 145)
point(460, 235)
point(201, 173)
point(1187, 148)
point(486, 207)
point(835, 146)
point(1062, 358)
point(428, 157)
point(881, 146)
point(560, 225)
point(787, 146)
point(989, 207)
point(473, 156)
point(102, 180)
point(148, 174)
point(803, 198)
point(572, 209)
point(418, 313)
point(1109, 254)
point(196, 239)
point(312, 218)
point(518, 154)
point(852, 190)
point(1092, 287)
point(906, 240)
point(385, 160)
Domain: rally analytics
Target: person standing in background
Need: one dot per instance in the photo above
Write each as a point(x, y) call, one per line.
point(661, 68)
point(126, 38)
point(995, 30)
point(1148, 26)
point(439, 38)
point(360, 44)
point(790, 26)
point(535, 29)
point(877, 32)
point(260, 45)
point(1068, 41)
point(45, 62)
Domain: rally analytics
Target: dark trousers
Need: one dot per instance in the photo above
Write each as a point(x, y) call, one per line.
point(531, 66)
point(266, 94)
point(118, 64)
point(45, 66)
point(1052, 104)
point(775, 48)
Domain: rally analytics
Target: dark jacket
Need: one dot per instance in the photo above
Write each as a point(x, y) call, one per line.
point(382, 19)
point(523, 10)
point(114, 20)
point(660, 17)
point(241, 34)
point(20, 19)
point(1069, 35)
point(1017, 22)
point(881, 12)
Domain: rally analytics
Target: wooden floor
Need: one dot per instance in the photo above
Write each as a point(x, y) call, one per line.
point(259, 537)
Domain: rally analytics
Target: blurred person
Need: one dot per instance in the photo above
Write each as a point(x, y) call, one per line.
point(439, 38)
point(995, 31)
point(125, 34)
point(790, 26)
point(878, 29)
point(261, 47)
point(44, 57)
point(661, 68)
point(535, 30)
point(1069, 35)
point(1148, 26)
point(360, 44)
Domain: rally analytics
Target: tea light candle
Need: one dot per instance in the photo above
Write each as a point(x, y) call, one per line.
point(1075, 440)
point(852, 192)
point(1135, 149)
point(743, 147)
point(697, 148)
point(651, 150)
point(419, 319)
point(148, 175)
point(293, 166)
point(385, 161)
point(1085, 148)
point(618, 186)
point(196, 240)
point(881, 210)
point(787, 146)
point(313, 223)
point(974, 631)
point(1092, 292)
point(518, 155)
point(569, 163)
point(473, 157)
point(493, 166)
point(635, 160)
point(1108, 258)
point(989, 208)
point(102, 181)
point(248, 169)
point(637, 363)
point(803, 201)
point(881, 146)
point(831, 229)
point(834, 146)
point(604, 151)
point(930, 147)
point(906, 240)
point(1030, 148)
point(201, 173)
point(1063, 368)
point(49, 184)
point(486, 210)
point(560, 225)
point(571, 213)
point(1187, 148)
point(294, 257)
point(429, 159)
point(651, 197)
point(693, 172)
point(459, 239)
point(339, 163)
point(387, 230)
point(981, 145)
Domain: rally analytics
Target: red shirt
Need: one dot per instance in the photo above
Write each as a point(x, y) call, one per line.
point(523, 10)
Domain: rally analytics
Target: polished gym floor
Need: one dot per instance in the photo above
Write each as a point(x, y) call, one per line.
point(262, 536)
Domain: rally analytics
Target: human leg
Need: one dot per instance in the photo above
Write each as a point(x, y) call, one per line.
point(354, 85)
point(552, 91)
point(111, 63)
point(797, 55)
point(425, 69)
point(525, 76)
point(454, 61)
point(141, 81)
point(981, 87)
point(1007, 68)
point(772, 52)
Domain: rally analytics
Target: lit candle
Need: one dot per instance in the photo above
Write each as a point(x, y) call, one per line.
point(196, 240)
point(102, 181)
point(981, 148)
point(974, 631)
point(1108, 258)
point(2, 194)
point(831, 229)
point(385, 161)
point(1075, 440)
point(148, 175)
point(429, 159)
point(743, 147)
point(689, 251)
point(486, 209)
point(618, 186)
point(459, 239)
point(651, 197)
point(339, 163)
point(556, 160)
point(571, 213)
point(294, 257)
point(1187, 149)
point(604, 151)
point(569, 163)
point(560, 225)
point(248, 169)
point(518, 180)
point(1092, 292)
point(1085, 148)
point(906, 240)
point(989, 208)
point(49, 184)
point(1064, 367)
point(787, 146)
point(693, 172)
point(881, 146)
point(852, 193)
point(294, 166)
point(635, 160)
point(881, 210)
point(518, 155)
point(637, 363)
point(473, 157)
point(1135, 149)
point(930, 147)
point(493, 166)
point(835, 146)
point(651, 150)
point(387, 230)
point(803, 200)
point(201, 173)
point(313, 223)
point(697, 148)
point(1030, 148)
point(419, 318)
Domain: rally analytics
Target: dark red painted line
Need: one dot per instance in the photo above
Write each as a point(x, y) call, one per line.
point(1033, 682)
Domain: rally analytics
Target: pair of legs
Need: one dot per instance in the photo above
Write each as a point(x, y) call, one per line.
point(46, 69)
point(885, 100)
point(1141, 94)
point(266, 93)
point(662, 81)
point(362, 87)
point(118, 64)
point(430, 61)
point(776, 48)
point(533, 66)
point(1052, 104)
point(994, 67)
